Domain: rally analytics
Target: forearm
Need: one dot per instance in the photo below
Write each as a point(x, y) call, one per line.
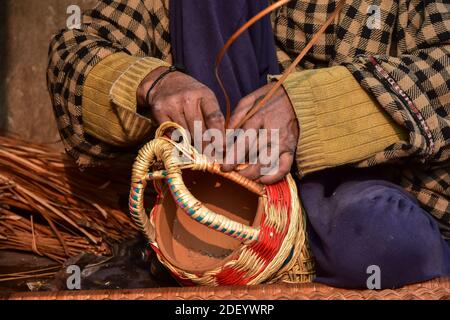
point(109, 106)
point(105, 31)
point(413, 86)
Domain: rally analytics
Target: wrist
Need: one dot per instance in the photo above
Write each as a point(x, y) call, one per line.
point(146, 84)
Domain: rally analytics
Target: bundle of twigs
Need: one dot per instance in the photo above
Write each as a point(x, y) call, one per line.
point(48, 206)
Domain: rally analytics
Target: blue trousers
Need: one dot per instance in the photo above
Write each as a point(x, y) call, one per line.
point(358, 219)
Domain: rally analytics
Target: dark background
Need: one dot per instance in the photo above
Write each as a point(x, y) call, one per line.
point(3, 63)
point(26, 27)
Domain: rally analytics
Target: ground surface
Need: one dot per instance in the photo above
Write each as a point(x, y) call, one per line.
point(131, 267)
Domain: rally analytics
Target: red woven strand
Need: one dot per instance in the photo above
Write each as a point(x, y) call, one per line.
point(267, 246)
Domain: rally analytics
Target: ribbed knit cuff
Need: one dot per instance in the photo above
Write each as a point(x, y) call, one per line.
point(109, 99)
point(339, 122)
point(123, 90)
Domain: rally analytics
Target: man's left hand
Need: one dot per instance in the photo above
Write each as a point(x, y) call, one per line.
point(277, 114)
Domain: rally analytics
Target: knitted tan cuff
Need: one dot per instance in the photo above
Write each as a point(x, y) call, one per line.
point(339, 122)
point(109, 99)
point(123, 90)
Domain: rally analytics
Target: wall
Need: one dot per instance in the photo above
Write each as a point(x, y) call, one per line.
point(3, 63)
point(26, 27)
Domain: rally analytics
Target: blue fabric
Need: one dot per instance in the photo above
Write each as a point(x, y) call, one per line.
point(200, 28)
point(359, 219)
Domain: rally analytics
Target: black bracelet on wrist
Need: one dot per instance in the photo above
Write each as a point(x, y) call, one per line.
point(161, 76)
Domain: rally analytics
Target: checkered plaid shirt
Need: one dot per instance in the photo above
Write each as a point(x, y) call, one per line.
point(398, 50)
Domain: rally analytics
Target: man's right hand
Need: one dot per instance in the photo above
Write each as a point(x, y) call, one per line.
point(180, 98)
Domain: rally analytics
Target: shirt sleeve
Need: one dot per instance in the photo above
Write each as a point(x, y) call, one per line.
point(340, 123)
point(109, 99)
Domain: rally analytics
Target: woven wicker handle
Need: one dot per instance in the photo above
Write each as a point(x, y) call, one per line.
point(164, 151)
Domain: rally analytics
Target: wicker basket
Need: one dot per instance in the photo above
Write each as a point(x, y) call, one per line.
point(215, 238)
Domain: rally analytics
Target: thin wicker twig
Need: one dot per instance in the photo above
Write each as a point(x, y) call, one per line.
point(49, 207)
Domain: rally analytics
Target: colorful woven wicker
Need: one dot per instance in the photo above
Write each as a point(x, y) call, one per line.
point(270, 247)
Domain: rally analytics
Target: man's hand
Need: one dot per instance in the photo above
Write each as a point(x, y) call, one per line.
point(277, 114)
point(181, 99)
